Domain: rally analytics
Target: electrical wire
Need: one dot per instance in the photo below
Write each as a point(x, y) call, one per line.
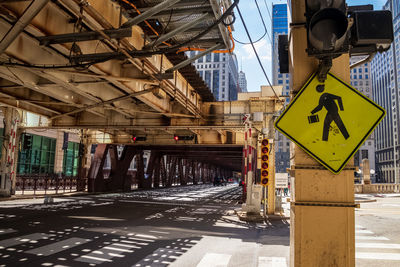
point(265, 29)
point(255, 52)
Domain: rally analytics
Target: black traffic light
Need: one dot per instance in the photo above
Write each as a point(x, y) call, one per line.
point(81, 149)
point(265, 162)
point(372, 31)
point(334, 29)
point(283, 53)
point(138, 138)
point(27, 142)
point(183, 137)
point(327, 28)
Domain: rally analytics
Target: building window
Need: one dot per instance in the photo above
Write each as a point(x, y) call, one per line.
point(216, 57)
point(280, 81)
point(200, 60)
point(71, 159)
point(359, 76)
point(39, 158)
point(366, 69)
point(215, 79)
point(208, 57)
point(207, 78)
point(354, 76)
point(366, 76)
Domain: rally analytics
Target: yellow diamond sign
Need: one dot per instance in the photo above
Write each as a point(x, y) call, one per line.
point(330, 122)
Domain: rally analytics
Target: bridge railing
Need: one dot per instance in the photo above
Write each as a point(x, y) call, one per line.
point(376, 188)
point(48, 184)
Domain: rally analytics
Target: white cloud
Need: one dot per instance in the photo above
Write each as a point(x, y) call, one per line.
point(263, 49)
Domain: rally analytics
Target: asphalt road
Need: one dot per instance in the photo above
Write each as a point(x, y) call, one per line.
point(378, 232)
point(182, 226)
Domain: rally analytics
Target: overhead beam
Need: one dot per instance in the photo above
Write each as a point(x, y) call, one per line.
point(103, 103)
point(180, 11)
point(190, 60)
point(30, 12)
point(84, 36)
point(180, 29)
point(150, 12)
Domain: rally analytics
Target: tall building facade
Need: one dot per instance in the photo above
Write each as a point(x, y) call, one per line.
point(280, 26)
point(360, 78)
point(242, 82)
point(220, 72)
point(385, 80)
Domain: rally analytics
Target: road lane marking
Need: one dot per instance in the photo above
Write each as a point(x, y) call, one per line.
point(363, 232)
point(378, 256)
point(371, 238)
point(272, 262)
point(58, 246)
point(378, 245)
point(214, 260)
point(23, 239)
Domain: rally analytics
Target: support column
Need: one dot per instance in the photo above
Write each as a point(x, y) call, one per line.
point(319, 235)
point(96, 176)
point(8, 163)
point(59, 155)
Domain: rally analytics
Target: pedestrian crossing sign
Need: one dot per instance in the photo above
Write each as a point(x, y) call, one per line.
point(329, 121)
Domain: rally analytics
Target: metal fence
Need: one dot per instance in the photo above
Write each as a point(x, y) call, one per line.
point(48, 184)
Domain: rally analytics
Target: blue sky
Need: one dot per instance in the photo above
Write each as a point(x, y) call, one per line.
point(245, 55)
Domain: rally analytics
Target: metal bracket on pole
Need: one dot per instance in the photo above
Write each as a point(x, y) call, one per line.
point(325, 64)
point(150, 12)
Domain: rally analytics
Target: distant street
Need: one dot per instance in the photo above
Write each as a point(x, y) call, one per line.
point(178, 226)
point(378, 232)
point(181, 226)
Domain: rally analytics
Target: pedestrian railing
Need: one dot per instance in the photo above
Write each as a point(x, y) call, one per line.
point(48, 184)
point(376, 188)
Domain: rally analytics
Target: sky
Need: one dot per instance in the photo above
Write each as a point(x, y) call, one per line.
point(246, 58)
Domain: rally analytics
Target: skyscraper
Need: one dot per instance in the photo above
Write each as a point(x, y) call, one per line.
point(360, 78)
point(220, 72)
point(280, 26)
point(242, 82)
point(385, 80)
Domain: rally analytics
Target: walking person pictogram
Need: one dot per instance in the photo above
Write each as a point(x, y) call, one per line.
point(328, 102)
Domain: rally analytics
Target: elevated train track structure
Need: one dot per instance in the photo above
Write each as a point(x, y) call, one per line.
point(118, 69)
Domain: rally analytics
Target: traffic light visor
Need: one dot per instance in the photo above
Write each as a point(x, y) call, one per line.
point(264, 157)
point(328, 30)
point(264, 150)
point(265, 142)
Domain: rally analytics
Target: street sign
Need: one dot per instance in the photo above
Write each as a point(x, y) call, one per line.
point(329, 122)
point(281, 180)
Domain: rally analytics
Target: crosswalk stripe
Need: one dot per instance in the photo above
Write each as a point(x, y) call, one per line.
point(371, 238)
point(23, 239)
point(104, 254)
point(272, 262)
point(214, 260)
point(363, 232)
point(378, 256)
point(378, 245)
point(58, 246)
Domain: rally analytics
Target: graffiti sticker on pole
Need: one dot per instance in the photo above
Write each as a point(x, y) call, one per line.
point(329, 121)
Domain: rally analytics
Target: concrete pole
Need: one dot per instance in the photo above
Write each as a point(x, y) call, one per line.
point(320, 235)
point(8, 162)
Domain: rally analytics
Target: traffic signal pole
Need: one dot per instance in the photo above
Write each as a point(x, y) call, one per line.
point(322, 203)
